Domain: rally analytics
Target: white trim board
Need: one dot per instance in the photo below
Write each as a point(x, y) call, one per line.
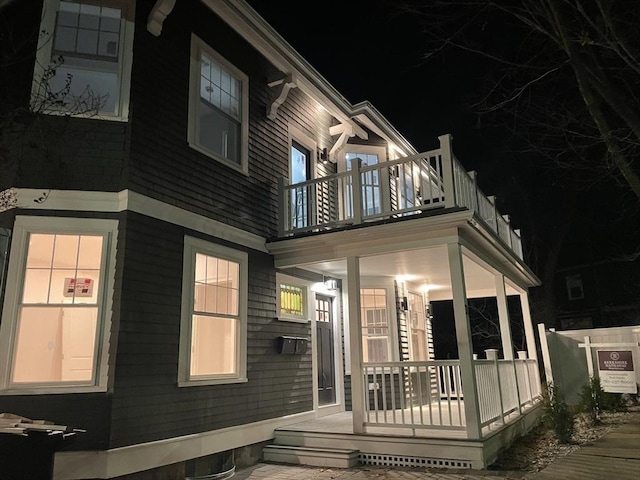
point(83, 201)
point(144, 456)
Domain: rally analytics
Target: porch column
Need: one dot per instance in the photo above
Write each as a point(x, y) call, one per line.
point(503, 315)
point(532, 351)
point(465, 346)
point(355, 344)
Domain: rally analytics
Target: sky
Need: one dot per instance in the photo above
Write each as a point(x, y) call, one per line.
point(371, 51)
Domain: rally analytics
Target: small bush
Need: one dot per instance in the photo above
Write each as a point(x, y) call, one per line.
point(594, 400)
point(557, 415)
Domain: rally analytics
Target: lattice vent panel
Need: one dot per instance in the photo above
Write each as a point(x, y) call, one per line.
point(404, 461)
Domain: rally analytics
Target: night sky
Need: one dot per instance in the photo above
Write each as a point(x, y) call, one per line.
point(373, 51)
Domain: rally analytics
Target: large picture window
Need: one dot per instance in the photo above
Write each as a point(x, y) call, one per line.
point(213, 334)
point(218, 116)
point(56, 331)
point(84, 58)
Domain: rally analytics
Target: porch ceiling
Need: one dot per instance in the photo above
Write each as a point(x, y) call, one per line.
point(415, 250)
point(426, 267)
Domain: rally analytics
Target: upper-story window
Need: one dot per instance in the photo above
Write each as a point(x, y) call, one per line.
point(575, 290)
point(218, 110)
point(83, 62)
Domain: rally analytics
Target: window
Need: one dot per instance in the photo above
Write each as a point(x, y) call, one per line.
point(84, 58)
point(218, 112)
point(574, 287)
point(293, 302)
point(56, 336)
point(214, 314)
point(375, 325)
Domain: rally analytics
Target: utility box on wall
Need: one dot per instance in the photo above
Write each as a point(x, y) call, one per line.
point(292, 345)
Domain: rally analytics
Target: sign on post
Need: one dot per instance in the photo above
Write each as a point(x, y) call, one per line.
point(615, 369)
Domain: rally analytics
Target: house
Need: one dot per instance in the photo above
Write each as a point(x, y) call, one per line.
point(207, 250)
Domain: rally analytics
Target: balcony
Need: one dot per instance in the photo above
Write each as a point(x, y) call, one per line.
point(428, 183)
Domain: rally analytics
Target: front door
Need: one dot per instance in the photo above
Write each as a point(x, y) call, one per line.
point(324, 350)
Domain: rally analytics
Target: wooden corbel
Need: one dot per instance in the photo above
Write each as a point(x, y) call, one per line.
point(158, 13)
point(286, 84)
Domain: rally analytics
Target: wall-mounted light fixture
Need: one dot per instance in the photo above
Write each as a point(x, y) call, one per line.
point(330, 283)
point(323, 155)
point(404, 304)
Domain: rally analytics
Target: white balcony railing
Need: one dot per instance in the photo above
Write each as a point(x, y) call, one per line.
point(399, 188)
point(429, 395)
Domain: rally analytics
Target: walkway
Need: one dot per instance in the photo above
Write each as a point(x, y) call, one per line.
point(616, 455)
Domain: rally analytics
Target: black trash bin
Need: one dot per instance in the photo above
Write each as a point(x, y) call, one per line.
point(29, 455)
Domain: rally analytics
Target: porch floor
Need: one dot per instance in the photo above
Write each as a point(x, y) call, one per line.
point(451, 428)
point(342, 423)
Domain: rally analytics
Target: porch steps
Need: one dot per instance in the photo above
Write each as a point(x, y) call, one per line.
point(313, 456)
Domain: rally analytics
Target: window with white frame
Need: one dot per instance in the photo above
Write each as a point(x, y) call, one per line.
point(218, 108)
point(214, 314)
point(375, 325)
point(54, 334)
point(84, 58)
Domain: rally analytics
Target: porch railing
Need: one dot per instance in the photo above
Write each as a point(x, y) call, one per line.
point(398, 188)
point(429, 395)
point(414, 394)
point(504, 387)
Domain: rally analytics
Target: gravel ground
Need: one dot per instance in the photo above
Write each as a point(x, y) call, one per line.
point(539, 448)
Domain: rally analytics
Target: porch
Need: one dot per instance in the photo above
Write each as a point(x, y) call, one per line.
point(400, 235)
point(419, 419)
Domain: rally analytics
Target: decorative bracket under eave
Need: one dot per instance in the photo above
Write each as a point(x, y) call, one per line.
point(286, 84)
point(158, 13)
point(345, 131)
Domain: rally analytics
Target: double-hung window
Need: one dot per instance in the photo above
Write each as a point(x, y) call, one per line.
point(375, 325)
point(214, 314)
point(218, 107)
point(56, 318)
point(84, 55)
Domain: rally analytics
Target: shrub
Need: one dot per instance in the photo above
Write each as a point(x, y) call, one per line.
point(594, 400)
point(557, 415)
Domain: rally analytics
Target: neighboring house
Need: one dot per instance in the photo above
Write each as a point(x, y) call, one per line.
point(209, 248)
point(603, 293)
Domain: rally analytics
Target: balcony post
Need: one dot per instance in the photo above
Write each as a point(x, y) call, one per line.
point(474, 180)
point(507, 219)
point(493, 200)
point(355, 344)
point(465, 346)
point(356, 194)
point(284, 207)
point(447, 171)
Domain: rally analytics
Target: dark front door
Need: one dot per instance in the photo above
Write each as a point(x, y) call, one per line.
point(324, 352)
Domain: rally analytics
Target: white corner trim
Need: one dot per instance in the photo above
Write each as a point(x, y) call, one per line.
point(84, 201)
point(158, 14)
point(115, 462)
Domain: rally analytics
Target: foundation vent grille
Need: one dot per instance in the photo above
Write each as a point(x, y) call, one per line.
point(404, 461)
